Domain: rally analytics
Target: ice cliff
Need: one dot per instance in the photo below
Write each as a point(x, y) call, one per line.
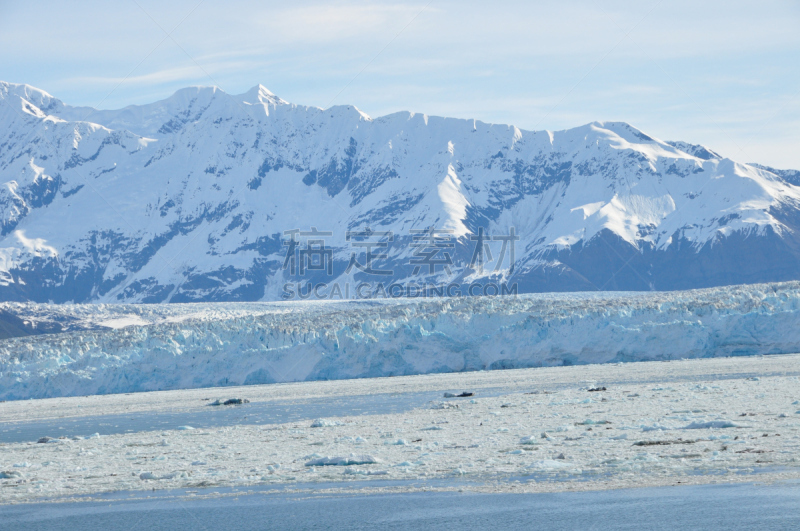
point(127, 348)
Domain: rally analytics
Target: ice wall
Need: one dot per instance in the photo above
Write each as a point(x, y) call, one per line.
point(144, 348)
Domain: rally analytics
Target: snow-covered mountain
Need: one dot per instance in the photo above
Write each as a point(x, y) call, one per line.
point(194, 198)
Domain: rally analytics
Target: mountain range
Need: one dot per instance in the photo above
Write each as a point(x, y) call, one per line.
point(207, 196)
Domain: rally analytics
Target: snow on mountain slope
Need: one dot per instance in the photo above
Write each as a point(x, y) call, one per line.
point(152, 347)
point(191, 199)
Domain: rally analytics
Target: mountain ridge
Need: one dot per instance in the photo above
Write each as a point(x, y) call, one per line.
point(194, 197)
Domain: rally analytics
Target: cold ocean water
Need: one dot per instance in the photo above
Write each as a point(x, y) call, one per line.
point(742, 506)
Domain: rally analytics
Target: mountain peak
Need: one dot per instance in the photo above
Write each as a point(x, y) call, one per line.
point(626, 131)
point(23, 90)
point(261, 94)
point(33, 95)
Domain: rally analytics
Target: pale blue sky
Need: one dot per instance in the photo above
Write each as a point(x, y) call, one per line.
point(722, 73)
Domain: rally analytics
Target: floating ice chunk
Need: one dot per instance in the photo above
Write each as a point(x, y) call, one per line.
point(198, 463)
point(462, 394)
point(150, 475)
point(531, 439)
point(398, 442)
point(590, 422)
point(184, 428)
point(94, 436)
point(619, 437)
point(351, 440)
point(10, 474)
point(359, 472)
point(444, 405)
point(549, 464)
point(325, 423)
point(565, 427)
point(656, 427)
point(432, 428)
point(713, 424)
point(22, 465)
point(518, 451)
point(343, 461)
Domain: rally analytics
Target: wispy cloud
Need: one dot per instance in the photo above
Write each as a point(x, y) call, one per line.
point(187, 73)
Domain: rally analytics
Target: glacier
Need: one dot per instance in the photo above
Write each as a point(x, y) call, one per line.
point(129, 348)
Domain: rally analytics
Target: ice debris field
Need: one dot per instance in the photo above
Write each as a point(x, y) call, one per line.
point(108, 349)
point(592, 427)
